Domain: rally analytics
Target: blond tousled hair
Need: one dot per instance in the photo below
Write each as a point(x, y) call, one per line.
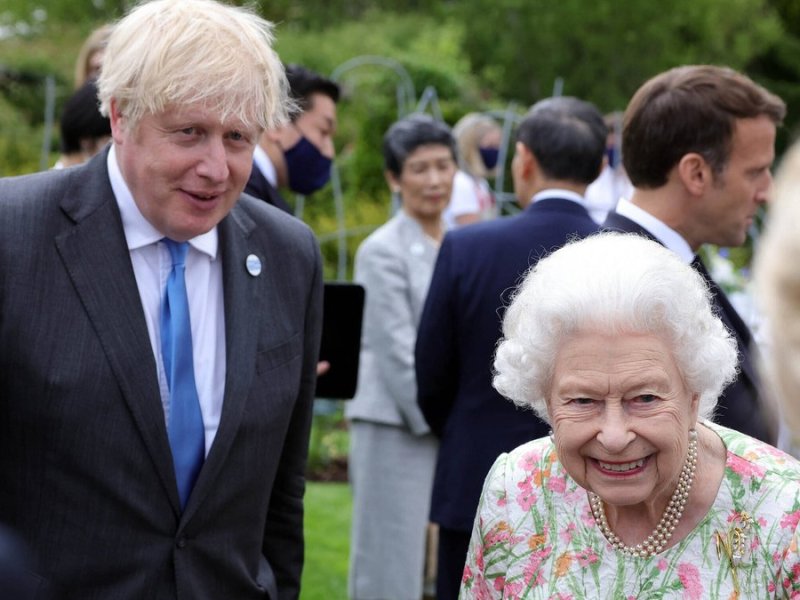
point(183, 52)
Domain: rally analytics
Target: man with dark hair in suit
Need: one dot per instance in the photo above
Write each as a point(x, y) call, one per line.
point(159, 330)
point(698, 144)
point(559, 151)
point(298, 155)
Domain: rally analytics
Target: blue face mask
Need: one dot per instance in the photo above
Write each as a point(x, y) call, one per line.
point(309, 169)
point(489, 156)
point(613, 156)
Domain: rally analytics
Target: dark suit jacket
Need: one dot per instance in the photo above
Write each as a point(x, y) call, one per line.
point(85, 464)
point(259, 187)
point(477, 270)
point(739, 407)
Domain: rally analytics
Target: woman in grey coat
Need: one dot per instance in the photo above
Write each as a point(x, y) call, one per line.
point(392, 452)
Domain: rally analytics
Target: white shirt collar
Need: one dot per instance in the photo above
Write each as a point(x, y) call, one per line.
point(660, 230)
point(264, 164)
point(139, 232)
point(560, 194)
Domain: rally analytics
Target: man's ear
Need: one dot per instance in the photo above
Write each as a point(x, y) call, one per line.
point(695, 173)
point(118, 122)
point(528, 165)
point(392, 182)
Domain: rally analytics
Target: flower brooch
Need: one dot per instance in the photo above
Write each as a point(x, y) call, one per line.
point(737, 543)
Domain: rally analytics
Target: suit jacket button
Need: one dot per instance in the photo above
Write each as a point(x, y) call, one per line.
point(181, 543)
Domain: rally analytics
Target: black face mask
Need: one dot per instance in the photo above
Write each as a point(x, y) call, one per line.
point(309, 169)
point(489, 156)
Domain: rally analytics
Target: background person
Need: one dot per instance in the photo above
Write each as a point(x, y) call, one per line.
point(559, 150)
point(698, 142)
point(89, 62)
point(160, 330)
point(635, 489)
point(478, 138)
point(612, 184)
point(84, 130)
point(393, 453)
point(298, 155)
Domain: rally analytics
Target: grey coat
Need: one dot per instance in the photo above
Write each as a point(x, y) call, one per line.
point(394, 264)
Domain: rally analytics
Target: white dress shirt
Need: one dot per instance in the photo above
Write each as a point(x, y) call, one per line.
point(151, 266)
point(661, 231)
point(559, 193)
point(264, 164)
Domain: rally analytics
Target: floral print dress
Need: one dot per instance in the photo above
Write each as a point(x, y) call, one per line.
point(535, 537)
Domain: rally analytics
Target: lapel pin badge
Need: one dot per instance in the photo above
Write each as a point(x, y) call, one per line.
point(253, 265)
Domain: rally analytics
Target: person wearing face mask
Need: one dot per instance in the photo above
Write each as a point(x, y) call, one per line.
point(478, 137)
point(298, 155)
point(612, 184)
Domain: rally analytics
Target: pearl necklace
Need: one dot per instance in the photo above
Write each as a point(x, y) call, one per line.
point(657, 540)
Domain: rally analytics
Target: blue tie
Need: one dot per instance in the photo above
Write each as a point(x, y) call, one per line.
point(185, 427)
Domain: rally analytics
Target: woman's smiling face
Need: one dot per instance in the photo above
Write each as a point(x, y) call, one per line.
point(621, 415)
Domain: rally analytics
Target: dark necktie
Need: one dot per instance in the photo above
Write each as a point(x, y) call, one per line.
point(185, 427)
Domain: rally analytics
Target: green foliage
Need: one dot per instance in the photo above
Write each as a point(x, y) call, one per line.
point(35, 12)
point(327, 530)
point(20, 143)
point(779, 70)
point(327, 454)
point(605, 49)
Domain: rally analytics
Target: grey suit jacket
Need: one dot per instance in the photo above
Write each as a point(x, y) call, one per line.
point(394, 264)
point(85, 464)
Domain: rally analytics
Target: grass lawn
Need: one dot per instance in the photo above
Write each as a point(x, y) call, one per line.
point(327, 527)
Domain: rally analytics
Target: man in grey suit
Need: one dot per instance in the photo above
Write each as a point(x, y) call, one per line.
point(698, 143)
point(159, 331)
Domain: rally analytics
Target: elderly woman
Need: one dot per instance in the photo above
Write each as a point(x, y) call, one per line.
point(636, 494)
point(393, 453)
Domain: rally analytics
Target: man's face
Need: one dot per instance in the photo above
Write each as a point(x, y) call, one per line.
point(727, 213)
point(184, 168)
point(318, 123)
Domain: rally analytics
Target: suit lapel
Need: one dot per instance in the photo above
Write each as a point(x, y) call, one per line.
point(96, 257)
point(616, 222)
point(732, 321)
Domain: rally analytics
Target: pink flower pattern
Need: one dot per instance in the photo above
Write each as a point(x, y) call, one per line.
point(790, 521)
point(743, 467)
point(541, 542)
point(690, 580)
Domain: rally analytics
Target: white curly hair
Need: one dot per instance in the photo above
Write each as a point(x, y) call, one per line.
point(617, 284)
